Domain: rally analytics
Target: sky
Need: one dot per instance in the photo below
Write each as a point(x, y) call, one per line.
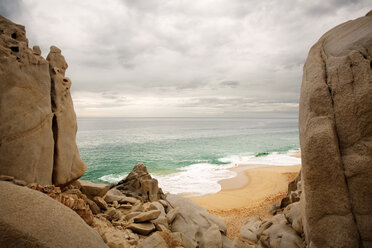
point(182, 58)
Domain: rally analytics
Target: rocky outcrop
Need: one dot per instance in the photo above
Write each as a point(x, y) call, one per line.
point(335, 123)
point(141, 185)
point(68, 166)
point(29, 218)
point(201, 228)
point(38, 122)
point(26, 137)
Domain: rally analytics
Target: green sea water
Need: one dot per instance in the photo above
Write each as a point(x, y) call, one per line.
point(180, 150)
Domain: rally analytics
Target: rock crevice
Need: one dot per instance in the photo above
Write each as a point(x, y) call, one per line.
point(38, 128)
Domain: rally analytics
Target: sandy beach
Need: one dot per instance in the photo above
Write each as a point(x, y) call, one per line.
point(250, 193)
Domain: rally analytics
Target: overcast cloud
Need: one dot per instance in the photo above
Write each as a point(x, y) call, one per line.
point(182, 57)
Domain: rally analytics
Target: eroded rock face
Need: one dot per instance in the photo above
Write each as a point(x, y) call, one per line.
point(37, 119)
point(201, 228)
point(68, 166)
point(335, 124)
point(141, 185)
point(26, 138)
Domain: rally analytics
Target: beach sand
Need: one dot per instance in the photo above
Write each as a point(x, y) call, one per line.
point(250, 193)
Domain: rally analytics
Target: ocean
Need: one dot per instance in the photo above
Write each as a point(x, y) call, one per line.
point(187, 155)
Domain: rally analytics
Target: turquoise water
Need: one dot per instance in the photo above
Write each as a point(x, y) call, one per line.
point(170, 146)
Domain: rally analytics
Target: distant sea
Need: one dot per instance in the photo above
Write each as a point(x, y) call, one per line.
point(187, 155)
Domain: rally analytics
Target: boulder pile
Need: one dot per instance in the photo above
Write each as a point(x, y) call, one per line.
point(130, 221)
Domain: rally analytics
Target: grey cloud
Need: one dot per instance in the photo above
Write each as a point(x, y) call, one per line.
point(231, 84)
point(10, 8)
point(231, 55)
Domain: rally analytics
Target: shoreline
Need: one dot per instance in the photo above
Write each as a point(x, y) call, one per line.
point(250, 193)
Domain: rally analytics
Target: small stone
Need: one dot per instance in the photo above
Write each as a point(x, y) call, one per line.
point(154, 241)
point(115, 204)
point(93, 189)
point(131, 215)
point(125, 206)
point(113, 195)
point(100, 202)
point(113, 214)
point(137, 208)
point(93, 206)
point(130, 200)
point(161, 220)
point(147, 216)
point(142, 228)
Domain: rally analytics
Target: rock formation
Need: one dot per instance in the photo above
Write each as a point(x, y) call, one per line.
point(140, 184)
point(31, 219)
point(67, 162)
point(26, 137)
point(330, 203)
point(38, 122)
point(335, 123)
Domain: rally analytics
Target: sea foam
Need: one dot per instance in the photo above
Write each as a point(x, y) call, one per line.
point(202, 178)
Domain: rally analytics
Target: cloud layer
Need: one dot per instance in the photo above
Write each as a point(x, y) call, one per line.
point(182, 58)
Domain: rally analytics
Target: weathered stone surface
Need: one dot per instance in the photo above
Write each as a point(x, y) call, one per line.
point(336, 137)
point(211, 237)
point(71, 198)
point(68, 166)
point(26, 138)
point(93, 189)
point(78, 205)
point(155, 240)
point(142, 228)
point(31, 219)
point(193, 220)
point(93, 206)
point(293, 214)
point(171, 215)
point(237, 243)
point(113, 237)
point(250, 228)
point(141, 185)
point(113, 214)
point(280, 235)
point(100, 202)
point(183, 240)
point(147, 216)
point(36, 50)
point(113, 195)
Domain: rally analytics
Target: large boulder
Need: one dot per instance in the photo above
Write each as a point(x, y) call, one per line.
point(335, 124)
point(196, 224)
point(29, 218)
point(26, 137)
point(38, 122)
point(68, 166)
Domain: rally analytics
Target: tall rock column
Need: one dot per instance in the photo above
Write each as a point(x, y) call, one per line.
point(335, 123)
point(68, 165)
point(26, 138)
